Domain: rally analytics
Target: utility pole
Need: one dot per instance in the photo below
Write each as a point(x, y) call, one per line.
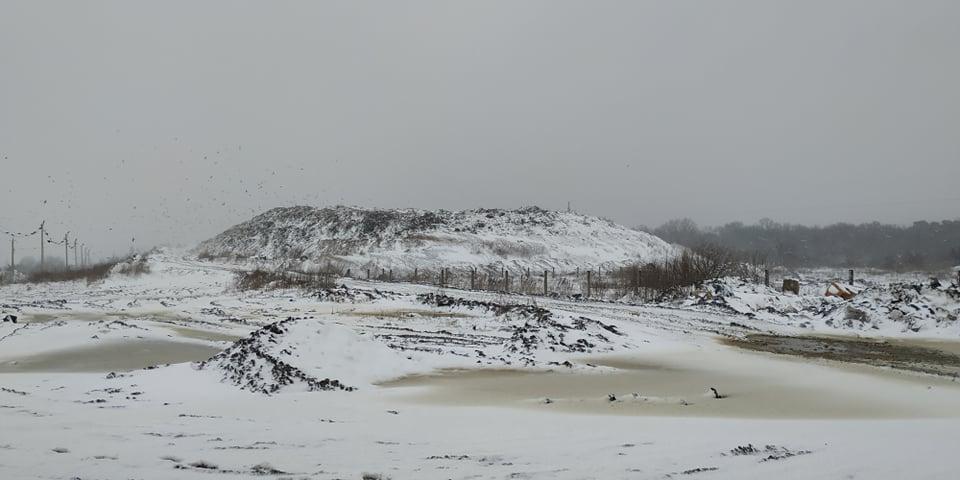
point(66, 249)
point(545, 291)
point(12, 263)
point(42, 241)
point(75, 252)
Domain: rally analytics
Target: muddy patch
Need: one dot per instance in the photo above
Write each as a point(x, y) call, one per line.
point(38, 318)
point(937, 358)
point(110, 357)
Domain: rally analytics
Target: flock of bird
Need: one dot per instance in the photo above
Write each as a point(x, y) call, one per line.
point(168, 194)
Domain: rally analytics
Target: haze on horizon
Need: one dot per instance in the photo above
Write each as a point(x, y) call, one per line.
point(167, 122)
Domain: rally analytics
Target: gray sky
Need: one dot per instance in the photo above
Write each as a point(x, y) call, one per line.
point(169, 121)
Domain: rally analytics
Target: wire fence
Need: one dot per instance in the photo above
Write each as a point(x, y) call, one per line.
point(636, 282)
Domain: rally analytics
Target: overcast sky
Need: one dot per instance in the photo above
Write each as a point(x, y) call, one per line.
point(170, 121)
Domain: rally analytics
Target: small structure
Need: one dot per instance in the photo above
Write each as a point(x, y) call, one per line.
point(791, 285)
point(10, 318)
point(837, 289)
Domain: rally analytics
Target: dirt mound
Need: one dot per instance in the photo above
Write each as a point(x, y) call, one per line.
point(252, 363)
point(345, 294)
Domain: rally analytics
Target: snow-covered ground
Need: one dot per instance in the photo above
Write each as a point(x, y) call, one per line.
point(380, 380)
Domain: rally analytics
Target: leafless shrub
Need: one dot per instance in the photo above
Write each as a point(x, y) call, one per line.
point(260, 279)
point(92, 273)
point(209, 255)
point(691, 269)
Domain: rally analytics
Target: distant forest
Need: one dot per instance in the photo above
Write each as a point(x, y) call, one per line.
point(921, 246)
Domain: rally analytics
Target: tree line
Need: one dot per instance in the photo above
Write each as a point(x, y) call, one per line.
point(920, 246)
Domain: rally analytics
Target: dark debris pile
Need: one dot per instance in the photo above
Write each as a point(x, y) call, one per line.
point(250, 365)
point(532, 328)
point(345, 294)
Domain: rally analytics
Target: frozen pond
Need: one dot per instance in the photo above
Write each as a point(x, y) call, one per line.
point(110, 357)
point(753, 385)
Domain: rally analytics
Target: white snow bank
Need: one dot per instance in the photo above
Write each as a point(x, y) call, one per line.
point(886, 308)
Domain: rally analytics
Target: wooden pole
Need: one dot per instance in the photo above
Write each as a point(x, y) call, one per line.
point(506, 281)
point(851, 276)
point(473, 278)
point(545, 290)
point(599, 279)
point(66, 251)
point(12, 263)
point(42, 237)
point(766, 277)
point(588, 282)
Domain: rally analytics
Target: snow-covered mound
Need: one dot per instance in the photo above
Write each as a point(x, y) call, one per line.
point(890, 308)
point(305, 354)
point(913, 306)
point(510, 333)
point(407, 239)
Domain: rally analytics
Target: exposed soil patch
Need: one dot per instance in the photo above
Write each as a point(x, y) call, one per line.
point(894, 354)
